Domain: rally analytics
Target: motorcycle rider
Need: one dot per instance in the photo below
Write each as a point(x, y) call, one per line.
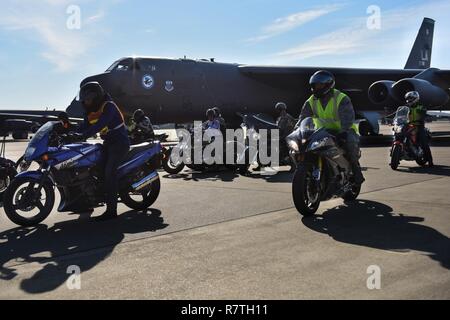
point(66, 125)
point(212, 122)
point(218, 116)
point(141, 123)
point(417, 117)
point(338, 115)
point(104, 116)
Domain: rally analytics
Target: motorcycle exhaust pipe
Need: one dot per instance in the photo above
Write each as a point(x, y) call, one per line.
point(145, 182)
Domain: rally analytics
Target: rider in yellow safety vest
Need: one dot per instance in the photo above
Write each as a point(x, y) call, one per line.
point(417, 117)
point(333, 110)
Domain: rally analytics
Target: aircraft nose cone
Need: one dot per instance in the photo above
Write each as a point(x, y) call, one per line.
point(100, 78)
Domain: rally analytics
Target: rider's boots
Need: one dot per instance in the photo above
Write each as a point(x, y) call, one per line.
point(357, 173)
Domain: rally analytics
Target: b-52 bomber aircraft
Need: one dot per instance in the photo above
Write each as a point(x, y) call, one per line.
point(180, 90)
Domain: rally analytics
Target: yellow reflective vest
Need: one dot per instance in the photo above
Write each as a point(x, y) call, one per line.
point(328, 117)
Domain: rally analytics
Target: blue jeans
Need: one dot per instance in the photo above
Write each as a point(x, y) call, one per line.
point(114, 154)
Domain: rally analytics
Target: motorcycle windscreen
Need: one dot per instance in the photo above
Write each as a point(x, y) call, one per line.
point(39, 144)
point(402, 115)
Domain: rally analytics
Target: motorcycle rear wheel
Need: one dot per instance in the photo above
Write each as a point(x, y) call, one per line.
point(170, 167)
point(305, 203)
point(149, 195)
point(421, 162)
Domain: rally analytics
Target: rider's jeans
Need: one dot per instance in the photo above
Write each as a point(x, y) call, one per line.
point(114, 154)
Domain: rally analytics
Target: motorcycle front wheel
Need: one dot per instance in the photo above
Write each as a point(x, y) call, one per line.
point(25, 205)
point(305, 194)
point(395, 156)
point(352, 194)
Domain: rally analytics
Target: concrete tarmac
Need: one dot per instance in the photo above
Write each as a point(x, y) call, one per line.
point(218, 235)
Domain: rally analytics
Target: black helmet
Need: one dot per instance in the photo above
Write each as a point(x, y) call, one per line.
point(92, 96)
point(210, 113)
point(138, 115)
point(322, 82)
point(281, 106)
point(63, 116)
point(217, 111)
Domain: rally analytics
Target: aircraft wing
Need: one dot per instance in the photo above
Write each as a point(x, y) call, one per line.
point(351, 80)
point(40, 117)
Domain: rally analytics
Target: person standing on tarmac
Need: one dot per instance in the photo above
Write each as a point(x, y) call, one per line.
point(285, 121)
point(286, 124)
point(417, 116)
point(104, 116)
point(333, 110)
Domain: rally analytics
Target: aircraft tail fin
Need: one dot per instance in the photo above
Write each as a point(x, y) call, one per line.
point(420, 56)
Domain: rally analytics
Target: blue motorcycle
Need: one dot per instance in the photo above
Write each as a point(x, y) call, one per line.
point(76, 170)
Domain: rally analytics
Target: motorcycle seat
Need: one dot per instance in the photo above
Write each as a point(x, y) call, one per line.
point(135, 149)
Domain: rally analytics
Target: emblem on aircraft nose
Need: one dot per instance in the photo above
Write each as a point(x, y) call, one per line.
point(169, 86)
point(148, 81)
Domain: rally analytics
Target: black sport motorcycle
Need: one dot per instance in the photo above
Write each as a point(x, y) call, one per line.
point(406, 145)
point(323, 172)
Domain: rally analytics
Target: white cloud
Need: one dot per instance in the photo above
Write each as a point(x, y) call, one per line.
point(343, 41)
point(356, 38)
point(285, 24)
point(45, 22)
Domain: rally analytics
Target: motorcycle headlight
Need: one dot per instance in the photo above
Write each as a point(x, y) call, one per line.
point(293, 145)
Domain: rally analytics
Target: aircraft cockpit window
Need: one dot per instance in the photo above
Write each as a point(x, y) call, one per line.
point(125, 65)
point(113, 66)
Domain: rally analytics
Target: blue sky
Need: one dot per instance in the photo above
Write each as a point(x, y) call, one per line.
point(42, 62)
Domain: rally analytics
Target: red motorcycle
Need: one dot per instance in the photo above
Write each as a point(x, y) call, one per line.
point(406, 143)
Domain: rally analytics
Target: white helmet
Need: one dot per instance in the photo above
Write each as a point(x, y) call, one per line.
point(412, 98)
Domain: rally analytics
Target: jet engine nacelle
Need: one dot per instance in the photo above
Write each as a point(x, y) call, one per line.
point(381, 92)
point(430, 95)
